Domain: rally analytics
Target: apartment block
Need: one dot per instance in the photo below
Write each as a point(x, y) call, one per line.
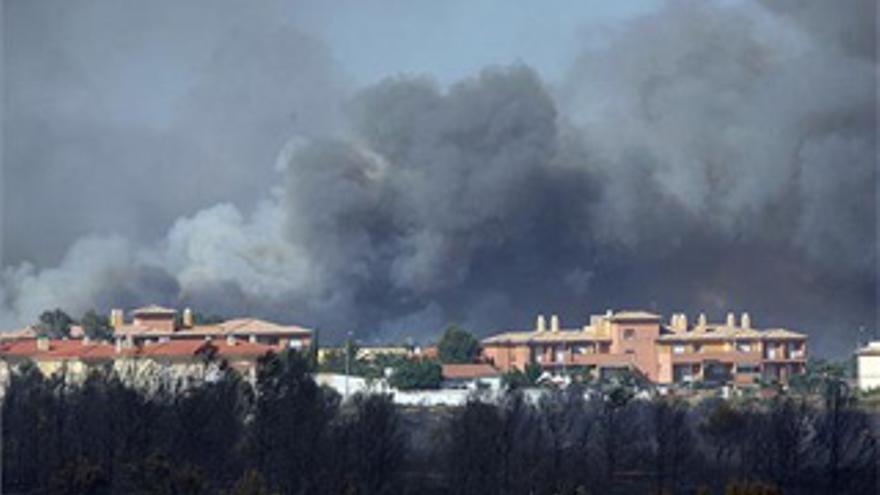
point(158, 324)
point(731, 351)
point(178, 360)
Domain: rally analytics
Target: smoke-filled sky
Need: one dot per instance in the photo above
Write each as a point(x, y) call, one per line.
point(391, 167)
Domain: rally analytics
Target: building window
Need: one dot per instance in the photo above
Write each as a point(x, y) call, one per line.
point(744, 347)
point(560, 354)
point(629, 334)
point(698, 348)
point(678, 349)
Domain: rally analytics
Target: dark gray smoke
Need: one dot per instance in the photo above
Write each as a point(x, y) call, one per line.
point(704, 157)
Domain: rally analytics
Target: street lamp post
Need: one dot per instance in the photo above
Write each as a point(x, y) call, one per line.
point(347, 362)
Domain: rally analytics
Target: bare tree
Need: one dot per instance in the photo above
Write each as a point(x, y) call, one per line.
point(671, 442)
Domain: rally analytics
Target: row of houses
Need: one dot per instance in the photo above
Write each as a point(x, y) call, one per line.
point(153, 342)
point(675, 352)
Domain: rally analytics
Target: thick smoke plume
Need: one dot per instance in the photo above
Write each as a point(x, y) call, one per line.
point(703, 157)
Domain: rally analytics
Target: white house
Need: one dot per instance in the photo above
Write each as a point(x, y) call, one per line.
point(478, 376)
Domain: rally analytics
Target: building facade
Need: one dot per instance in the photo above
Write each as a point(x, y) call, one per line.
point(179, 361)
point(157, 324)
point(677, 352)
point(868, 366)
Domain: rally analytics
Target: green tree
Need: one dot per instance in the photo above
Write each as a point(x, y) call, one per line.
point(54, 324)
point(96, 326)
point(415, 374)
point(517, 378)
point(457, 345)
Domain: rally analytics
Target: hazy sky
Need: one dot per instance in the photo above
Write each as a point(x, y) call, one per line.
point(393, 166)
point(452, 40)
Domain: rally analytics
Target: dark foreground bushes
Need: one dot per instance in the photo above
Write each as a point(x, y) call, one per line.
point(286, 435)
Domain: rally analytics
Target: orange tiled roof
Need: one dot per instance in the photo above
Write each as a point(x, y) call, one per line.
point(476, 370)
point(172, 348)
point(61, 349)
point(237, 326)
point(79, 349)
point(586, 334)
point(724, 332)
point(28, 332)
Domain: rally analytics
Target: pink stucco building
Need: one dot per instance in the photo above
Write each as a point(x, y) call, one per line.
point(732, 351)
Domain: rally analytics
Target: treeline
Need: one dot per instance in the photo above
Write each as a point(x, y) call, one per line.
point(286, 435)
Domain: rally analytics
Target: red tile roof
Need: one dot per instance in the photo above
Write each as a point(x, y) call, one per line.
point(237, 326)
point(79, 349)
point(479, 370)
point(172, 348)
point(28, 332)
point(61, 349)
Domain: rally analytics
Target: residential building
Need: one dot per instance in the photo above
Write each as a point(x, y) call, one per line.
point(184, 360)
point(476, 376)
point(677, 352)
point(157, 324)
point(868, 366)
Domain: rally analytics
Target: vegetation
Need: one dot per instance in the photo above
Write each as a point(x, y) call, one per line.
point(416, 374)
point(457, 345)
point(54, 324)
point(517, 378)
point(96, 326)
point(284, 434)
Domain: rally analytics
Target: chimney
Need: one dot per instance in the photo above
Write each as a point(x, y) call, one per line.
point(43, 344)
point(187, 318)
point(554, 323)
point(541, 324)
point(746, 321)
point(701, 321)
point(731, 320)
point(682, 322)
point(117, 318)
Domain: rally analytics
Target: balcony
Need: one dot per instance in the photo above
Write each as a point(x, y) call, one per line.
point(600, 359)
point(781, 355)
point(720, 356)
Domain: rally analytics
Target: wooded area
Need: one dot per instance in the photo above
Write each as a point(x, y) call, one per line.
point(287, 435)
